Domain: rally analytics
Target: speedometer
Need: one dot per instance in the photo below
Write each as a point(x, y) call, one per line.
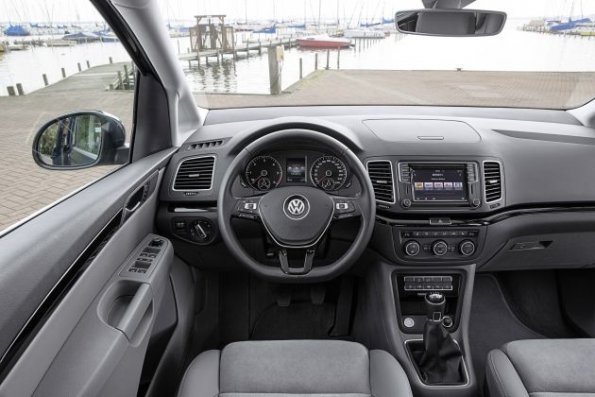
point(329, 173)
point(263, 173)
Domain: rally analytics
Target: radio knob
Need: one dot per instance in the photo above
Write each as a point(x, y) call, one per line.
point(476, 202)
point(439, 248)
point(467, 248)
point(406, 203)
point(412, 248)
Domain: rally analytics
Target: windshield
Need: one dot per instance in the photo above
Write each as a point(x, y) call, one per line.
point(244, 53)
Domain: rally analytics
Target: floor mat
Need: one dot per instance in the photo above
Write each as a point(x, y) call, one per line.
point(297, 321)
point(492, 323)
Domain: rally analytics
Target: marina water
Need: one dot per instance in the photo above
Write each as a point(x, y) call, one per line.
point(512, 50)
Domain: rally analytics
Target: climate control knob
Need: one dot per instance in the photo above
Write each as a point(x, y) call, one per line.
point(467, 248)
point(439, 248)
point(412, 248)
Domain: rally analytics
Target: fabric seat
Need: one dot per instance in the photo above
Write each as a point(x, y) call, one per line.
point(295, 368)
point(542, 368)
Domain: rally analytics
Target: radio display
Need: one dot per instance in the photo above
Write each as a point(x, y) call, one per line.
point(439, 183)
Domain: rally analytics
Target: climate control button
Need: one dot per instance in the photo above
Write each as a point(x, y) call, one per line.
point(440, 248)
point(412, 248)
point(467, 248)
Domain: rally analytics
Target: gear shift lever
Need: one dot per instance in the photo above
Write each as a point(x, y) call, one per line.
point(441, 361)
point(435, 305)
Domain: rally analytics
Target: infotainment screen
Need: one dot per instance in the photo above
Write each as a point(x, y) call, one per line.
point(296, 170)
point(439, 183)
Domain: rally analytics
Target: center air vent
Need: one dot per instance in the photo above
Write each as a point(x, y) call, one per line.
point(492, 176)
point(381, 174)
point(195, 174)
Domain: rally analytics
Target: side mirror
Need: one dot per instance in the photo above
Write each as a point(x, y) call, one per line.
point(81, 140)
point(450, 22)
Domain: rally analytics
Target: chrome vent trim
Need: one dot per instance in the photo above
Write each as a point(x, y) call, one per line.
point(383, 180)
point(492, 181)
point(194, 174)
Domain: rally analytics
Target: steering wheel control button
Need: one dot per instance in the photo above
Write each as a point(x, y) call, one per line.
point(344, 209)
point(408, 322)
point(412, 248)
point(341, 206)
point(439, 248)
point(248, 208)
point(296, 207)
point(467, 248)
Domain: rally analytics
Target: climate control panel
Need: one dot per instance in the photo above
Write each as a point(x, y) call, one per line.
point(435, 244)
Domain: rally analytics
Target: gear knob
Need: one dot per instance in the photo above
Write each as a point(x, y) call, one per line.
point(435, 304)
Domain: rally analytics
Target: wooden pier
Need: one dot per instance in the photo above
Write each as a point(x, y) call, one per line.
point(243, 50)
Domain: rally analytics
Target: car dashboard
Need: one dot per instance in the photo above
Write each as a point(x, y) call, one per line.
point(452, 187)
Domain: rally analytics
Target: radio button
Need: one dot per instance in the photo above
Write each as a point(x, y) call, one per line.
point(467, 248)
point(439, 248)
point(412, 248)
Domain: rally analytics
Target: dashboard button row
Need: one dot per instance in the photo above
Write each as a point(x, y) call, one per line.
point(439, 233)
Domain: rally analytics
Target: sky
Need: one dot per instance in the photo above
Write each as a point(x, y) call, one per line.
point(83, 10)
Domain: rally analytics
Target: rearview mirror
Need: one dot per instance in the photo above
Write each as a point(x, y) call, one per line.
point(81, 140)
point(450, 22)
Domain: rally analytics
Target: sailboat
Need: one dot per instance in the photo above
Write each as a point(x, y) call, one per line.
point(17, 31)
point(323, 42)
point(268, 29)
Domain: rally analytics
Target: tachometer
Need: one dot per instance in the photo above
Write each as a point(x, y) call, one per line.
point(329, 173)
point(263, 173)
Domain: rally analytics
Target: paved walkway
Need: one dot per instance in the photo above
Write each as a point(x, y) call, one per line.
point(385, 87)
point(24, 186)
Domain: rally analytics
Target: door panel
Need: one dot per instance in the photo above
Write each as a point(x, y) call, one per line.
point(93, 341)
point(105, 352)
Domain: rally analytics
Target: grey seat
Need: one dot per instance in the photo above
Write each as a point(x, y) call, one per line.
point(542, 368)
point(295, 368)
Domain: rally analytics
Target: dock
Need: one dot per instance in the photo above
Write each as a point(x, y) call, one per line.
point(546, 90)
point(27, 187)
point(250, 47)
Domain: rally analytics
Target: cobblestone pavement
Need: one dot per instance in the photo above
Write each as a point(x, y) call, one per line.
point(24, 186)
point(552, 90)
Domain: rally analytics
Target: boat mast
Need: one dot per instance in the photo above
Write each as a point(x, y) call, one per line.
point(319, 11)
point(305, 14)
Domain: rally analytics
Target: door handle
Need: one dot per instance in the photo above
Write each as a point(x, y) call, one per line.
point(134, 202)
point(136, 310)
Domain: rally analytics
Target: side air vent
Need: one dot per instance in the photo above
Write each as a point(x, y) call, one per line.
point(381, 174)
point(195, 173)
point(205, 144)
point(492, 176)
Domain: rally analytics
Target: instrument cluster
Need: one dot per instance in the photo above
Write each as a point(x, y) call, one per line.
point(322, 170)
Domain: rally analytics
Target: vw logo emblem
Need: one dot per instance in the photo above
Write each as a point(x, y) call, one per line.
point(296, 207)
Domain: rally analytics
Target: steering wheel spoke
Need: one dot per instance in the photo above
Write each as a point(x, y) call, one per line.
point(345, 207)
point(247, 208)
point(307, 265)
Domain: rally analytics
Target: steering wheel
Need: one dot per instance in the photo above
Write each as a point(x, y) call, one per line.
point(296, 217)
